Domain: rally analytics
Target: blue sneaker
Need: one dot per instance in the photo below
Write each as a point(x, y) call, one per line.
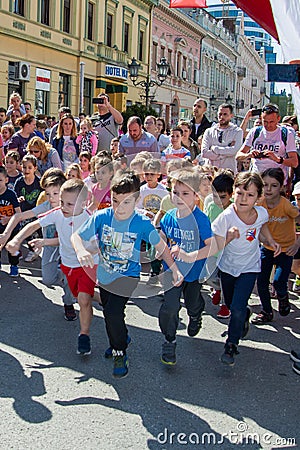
point(120, 369)
point(84, 345)
point(14, 271)
point(109, 351)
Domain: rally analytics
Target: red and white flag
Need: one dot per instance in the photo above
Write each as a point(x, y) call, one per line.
point(188, 4)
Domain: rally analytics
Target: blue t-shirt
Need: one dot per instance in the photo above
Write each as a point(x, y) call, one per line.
point(119, 243)
point(189, 233)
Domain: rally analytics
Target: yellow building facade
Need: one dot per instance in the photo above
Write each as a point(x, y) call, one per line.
point(64, 52)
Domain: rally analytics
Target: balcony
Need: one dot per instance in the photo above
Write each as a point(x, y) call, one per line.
point(112, 54)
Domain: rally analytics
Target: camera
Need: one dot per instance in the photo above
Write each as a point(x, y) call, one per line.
point(256, 112)
point(98, 101)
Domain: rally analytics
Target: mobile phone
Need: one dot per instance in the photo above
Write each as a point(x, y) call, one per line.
point(98, 100)
point(283, 73)
point(256, 112)
point(261, 155)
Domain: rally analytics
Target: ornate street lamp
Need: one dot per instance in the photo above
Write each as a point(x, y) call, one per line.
point(162, 73)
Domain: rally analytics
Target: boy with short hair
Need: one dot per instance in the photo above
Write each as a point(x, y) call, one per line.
point(67, 218)
point(9, 205)
point(120, 230)
point(188, 229)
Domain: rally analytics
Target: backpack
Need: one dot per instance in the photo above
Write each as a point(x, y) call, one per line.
point(284, 134)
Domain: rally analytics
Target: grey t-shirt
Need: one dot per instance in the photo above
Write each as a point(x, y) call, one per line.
point(107, 129)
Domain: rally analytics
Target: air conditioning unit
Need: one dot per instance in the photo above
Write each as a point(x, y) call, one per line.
point(22, 71)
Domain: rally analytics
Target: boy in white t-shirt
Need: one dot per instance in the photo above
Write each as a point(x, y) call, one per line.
point(68, 218)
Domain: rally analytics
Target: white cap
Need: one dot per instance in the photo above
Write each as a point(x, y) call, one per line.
point(296, 189)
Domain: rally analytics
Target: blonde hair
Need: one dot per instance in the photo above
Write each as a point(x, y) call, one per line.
point(75, 167)
point(189, 177)
point(15, 95)
point(60, 130)
point(39, 144)
point(87, 122)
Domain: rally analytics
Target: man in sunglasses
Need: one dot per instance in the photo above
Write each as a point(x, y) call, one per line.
point(270, 145)
point(222, 141)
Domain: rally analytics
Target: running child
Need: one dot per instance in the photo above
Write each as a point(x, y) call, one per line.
point(85, 164)
point(11, 163)
point(104, 171)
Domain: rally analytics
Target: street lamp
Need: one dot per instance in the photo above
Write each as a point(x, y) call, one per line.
point(228, 99)
point(162, 73)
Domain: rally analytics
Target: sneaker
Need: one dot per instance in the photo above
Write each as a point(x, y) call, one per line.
point(216, 297)
point(14, 271)
point(194, 326)
point(246, 324)
point(109, 351)
point(224, 312)
point(32, 256)
point(84, 345)
point(295, 356)
point(230, 350)
point(296, 284)
point(284, 305)
point(168, 355)
point(296, 368)
point(120, 369)
point(262, 318)
point(70, 313)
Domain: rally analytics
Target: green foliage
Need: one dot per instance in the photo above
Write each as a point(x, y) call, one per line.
point(137, 110)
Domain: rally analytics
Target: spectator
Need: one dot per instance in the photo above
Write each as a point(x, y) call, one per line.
point(61, 112)
point(187, 141)
point(27, 107)
point(2, 116)
point(199, 122)
point(15, 102)
point(106, 122)
point(46, 156)
point(162, 138)
point(21, 138)
point(65, 141)
point(222, 141)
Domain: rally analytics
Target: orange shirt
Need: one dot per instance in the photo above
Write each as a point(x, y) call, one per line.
point(281, 222)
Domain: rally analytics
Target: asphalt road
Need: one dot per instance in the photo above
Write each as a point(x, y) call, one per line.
point(52, 398)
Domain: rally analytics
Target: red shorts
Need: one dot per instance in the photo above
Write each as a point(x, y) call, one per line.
point(80, 279)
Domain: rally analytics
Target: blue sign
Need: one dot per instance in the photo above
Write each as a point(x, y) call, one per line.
point(116, 72)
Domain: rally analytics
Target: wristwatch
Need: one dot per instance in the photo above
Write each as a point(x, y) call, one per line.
point(280, 160)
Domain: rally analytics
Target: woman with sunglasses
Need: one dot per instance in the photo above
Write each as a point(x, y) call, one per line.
point(65, 141)
point(46, 155)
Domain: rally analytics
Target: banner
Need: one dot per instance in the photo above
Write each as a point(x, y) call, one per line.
point(188, 4)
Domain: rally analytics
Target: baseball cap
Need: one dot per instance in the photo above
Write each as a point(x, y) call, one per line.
point(296, 189)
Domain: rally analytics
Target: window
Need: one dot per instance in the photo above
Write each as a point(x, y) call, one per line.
point(87, 96)
point(154, 56)
point(126, 37)
point(41, 102)
point(90, 21)
point(45, 12)
point(64, 83)
point(141, 45)
point(67, 16)
point(19, 7)
point(109, 30)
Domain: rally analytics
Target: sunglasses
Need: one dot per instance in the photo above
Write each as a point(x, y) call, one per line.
point(270, 109)
point(35, 151)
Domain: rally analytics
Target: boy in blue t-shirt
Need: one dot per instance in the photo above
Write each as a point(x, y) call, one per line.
point(187, 230)
point(120, 230)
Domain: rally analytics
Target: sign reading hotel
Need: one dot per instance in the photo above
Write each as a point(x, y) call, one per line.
point(116, 72)
point(43, 80)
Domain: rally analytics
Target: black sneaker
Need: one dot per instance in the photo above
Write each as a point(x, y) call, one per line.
point(84, 345)
point(284, 305)
point(295, 356)
point(246, 324)
point(70, 313)
point(109, 351)
point(229, 353)
point(120, 369)
point(194, 326)
point(168, 355)
point(296, 368)
point(262, 318)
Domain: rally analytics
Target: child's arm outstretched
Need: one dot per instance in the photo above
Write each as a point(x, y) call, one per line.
point(266, 238)
point(38, 244)
point(84, 256)
point(14, 245)
point(163, 251)
point(13, 222)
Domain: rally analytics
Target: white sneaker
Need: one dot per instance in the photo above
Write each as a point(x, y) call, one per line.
point(31, 256)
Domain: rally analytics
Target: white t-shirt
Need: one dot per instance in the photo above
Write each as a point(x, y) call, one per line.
point(150, 199)
point(240, 255)
point(69, 154)
point(65, 227)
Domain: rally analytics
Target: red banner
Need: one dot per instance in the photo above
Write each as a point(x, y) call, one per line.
point(188, 4)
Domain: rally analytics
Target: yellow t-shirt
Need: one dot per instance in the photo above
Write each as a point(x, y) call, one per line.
point(281, 222)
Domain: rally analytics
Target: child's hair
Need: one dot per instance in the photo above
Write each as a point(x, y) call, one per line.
point(189, 177)
point(152, 165)
point(125, 183)
point(174, 164)
point(87, 155)
point(3, 171)
point(247, 178)
point(115, 139)
point(8, 127)
point(102, 161)
point(52, 177)
point(176, 129)
point(275, 172)
point(13, 155)
point(87, 122)
point(15, 95)
point(41, 124)
point(30, 158)
point(75, 167)
point(205, 176)
point(76, 186)
point(184, 123)
point(144, 154)
point(223, 183)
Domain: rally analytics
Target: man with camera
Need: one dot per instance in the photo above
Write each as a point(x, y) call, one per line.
point(270, 145)
point(106, 121)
